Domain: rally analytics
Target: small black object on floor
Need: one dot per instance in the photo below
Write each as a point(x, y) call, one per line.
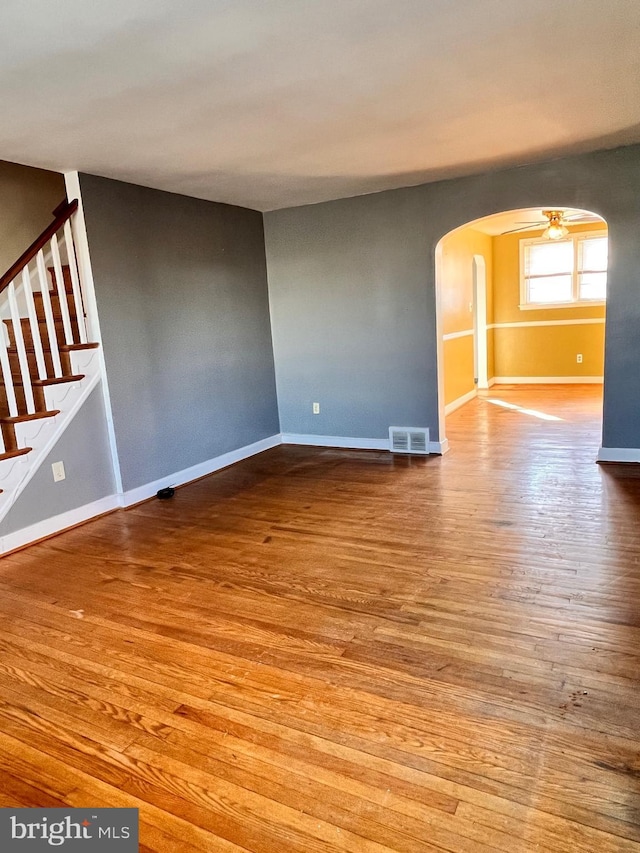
point(166, 493)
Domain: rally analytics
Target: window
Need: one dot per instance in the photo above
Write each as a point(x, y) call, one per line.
point(556, 273)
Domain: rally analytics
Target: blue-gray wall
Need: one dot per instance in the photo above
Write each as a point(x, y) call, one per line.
point(350, 313)
point(84, 449)
point(352, 293)
point(182, 299)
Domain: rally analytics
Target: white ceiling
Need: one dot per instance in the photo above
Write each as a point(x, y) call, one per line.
point(270, 103)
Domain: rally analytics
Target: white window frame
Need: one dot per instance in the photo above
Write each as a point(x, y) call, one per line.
point(575, 286)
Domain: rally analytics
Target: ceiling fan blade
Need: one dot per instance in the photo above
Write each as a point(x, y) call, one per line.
point(582, 217)
point(523, 228)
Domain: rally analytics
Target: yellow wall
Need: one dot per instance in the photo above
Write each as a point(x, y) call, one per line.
point(540, 350)
point(550, 351)
point(458, 372)
point(456, 297)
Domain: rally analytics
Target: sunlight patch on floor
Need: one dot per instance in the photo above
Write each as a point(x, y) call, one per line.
point(533, 412)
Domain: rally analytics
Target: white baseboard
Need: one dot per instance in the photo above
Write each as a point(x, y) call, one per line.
point(335, 441)
point(351, 443)
point(547, 380)
point(619, 454)
point(460, 401)
point(50, 526)
point(491, 382)
point(179, 478)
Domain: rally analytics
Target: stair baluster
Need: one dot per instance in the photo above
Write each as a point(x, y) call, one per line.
point(61, 289)
point(48, 313)
point(33, 323)
point(18, 340)
point(7, 378)
point(75, 282)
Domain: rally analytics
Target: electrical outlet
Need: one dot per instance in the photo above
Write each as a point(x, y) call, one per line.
point(58, 471)
point(579, 358)
point(316, 408)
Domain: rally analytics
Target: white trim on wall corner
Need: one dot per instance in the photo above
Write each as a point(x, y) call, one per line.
point(548, 380)
point(451, 336)
point(72, 186)
point(619, 454)
point(529, 323)
point(180, 478)
point(439, 447)
point(460, 401)
point(492, 381)
point(57, 524)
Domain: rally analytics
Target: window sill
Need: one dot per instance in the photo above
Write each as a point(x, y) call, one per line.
point(549, 306)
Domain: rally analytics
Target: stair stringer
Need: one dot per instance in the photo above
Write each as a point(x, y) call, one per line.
point(41, 435)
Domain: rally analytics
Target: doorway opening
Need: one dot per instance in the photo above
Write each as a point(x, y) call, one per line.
point(521, 301)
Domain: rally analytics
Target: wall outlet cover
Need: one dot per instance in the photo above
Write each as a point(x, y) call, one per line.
point(58, 471)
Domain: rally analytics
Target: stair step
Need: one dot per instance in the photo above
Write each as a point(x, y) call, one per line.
point(37, 386)
point(42, 328)
point(8, 426)
point(21, 419)
point(54, 298)
point(11, 454)
point(55, 308)
point(65, 360)
point(57, 380)
point(66, 275)
point(77, 347)
point(46, 349)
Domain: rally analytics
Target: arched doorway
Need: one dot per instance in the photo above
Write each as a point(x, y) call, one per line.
point(520, 302)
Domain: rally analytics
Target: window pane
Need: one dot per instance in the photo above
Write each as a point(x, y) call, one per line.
point(548, 258)
point(593, 285)
point(593, 253)
point(550, 289)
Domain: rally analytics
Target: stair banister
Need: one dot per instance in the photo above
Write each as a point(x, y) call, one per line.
point(18, 278)
point(64, 213)
point(48, 367)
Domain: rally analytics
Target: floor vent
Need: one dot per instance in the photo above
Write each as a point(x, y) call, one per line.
point(408, 440)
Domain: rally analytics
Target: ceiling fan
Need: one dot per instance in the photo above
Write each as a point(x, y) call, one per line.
point(556, 223)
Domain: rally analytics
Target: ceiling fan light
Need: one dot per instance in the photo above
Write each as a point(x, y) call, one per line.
point(555, 231)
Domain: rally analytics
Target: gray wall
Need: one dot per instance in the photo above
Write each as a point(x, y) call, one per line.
point(84, 449)
point(27, 198)
point(352, 291)
point(350, 314)
point(182, 299)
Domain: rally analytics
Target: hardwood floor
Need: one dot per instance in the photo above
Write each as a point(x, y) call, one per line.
point(321, 650)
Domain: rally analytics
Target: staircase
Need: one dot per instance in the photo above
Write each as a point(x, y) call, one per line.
point(48, 366)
